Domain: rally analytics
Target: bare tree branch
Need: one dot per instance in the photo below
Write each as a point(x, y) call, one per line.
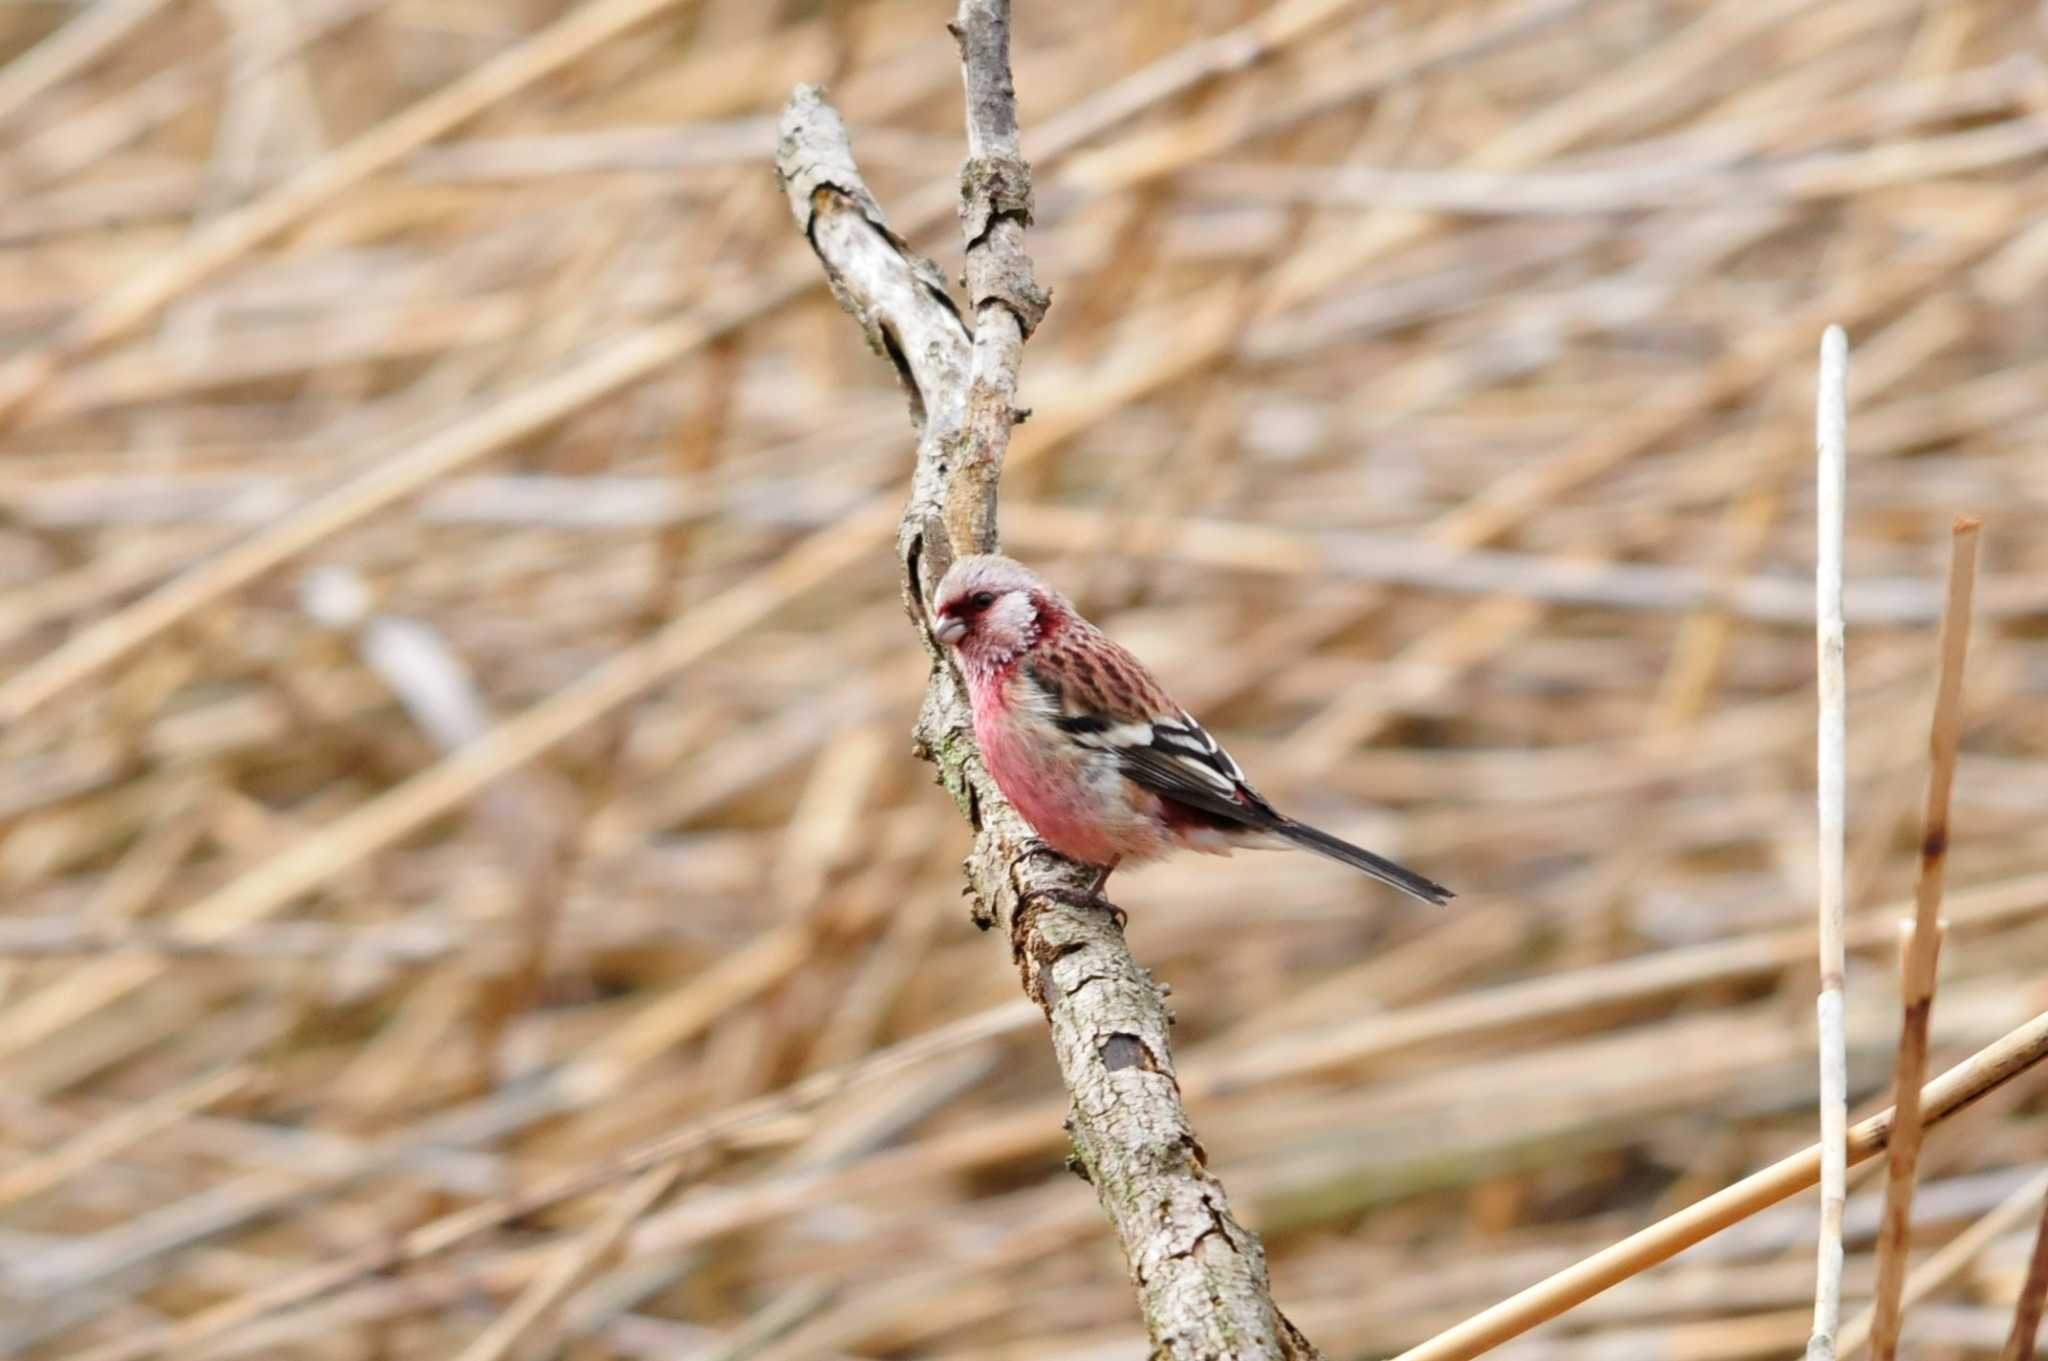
point(995, 207)
point(1200, 1275)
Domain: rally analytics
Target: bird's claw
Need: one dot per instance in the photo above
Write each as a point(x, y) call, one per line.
point(1085, 900)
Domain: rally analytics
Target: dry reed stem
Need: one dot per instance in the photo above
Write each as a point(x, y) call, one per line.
point(1951, 1257)
point(441, 1234)
point(77, 44)
point(2026, 1312)
point(632, 357)
point(522, 1330)
point(1245, 428)
point(272, 886)
point(233, 235)
point(97, 1143)
point(1951, 1092)
point(1034, 1127)
point(1923, 942)
point(1831, 435)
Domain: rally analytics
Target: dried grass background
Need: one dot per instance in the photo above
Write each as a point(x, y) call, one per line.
point(1427, 395)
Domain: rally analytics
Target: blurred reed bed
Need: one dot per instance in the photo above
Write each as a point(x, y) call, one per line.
point(1427, 395)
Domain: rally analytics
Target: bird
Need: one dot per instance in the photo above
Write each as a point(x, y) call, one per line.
point(1088, 746)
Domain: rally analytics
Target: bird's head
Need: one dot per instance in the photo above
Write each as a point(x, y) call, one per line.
point(989, 608)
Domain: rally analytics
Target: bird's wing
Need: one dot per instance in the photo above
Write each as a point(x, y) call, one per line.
point(1103, 698)
point(1184, 763)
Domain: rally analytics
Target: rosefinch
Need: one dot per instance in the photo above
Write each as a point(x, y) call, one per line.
point(1086, 744)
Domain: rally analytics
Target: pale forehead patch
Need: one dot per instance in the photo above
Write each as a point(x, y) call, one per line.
point(986, 571)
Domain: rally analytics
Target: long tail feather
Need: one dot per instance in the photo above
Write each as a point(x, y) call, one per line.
point(1380, 868)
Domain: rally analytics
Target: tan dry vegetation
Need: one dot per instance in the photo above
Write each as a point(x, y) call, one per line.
point(1429, 400)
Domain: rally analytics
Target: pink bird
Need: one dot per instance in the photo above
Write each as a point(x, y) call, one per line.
point(1106, 768)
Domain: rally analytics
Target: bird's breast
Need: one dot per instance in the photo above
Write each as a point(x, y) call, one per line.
point(1074, 798)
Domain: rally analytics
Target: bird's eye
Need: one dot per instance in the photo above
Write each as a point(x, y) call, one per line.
point(981, 600)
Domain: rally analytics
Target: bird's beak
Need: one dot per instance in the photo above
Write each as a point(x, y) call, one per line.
point(949, 630)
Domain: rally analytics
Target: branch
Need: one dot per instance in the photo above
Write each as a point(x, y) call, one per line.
point(1200, 1275)
point(995, 207)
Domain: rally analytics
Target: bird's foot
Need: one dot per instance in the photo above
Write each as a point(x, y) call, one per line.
point(1085, 899)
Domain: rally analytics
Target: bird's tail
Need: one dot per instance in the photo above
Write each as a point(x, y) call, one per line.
point(1386, 871)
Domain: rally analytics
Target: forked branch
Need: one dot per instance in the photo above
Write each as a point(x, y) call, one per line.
point(1200, 1275)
